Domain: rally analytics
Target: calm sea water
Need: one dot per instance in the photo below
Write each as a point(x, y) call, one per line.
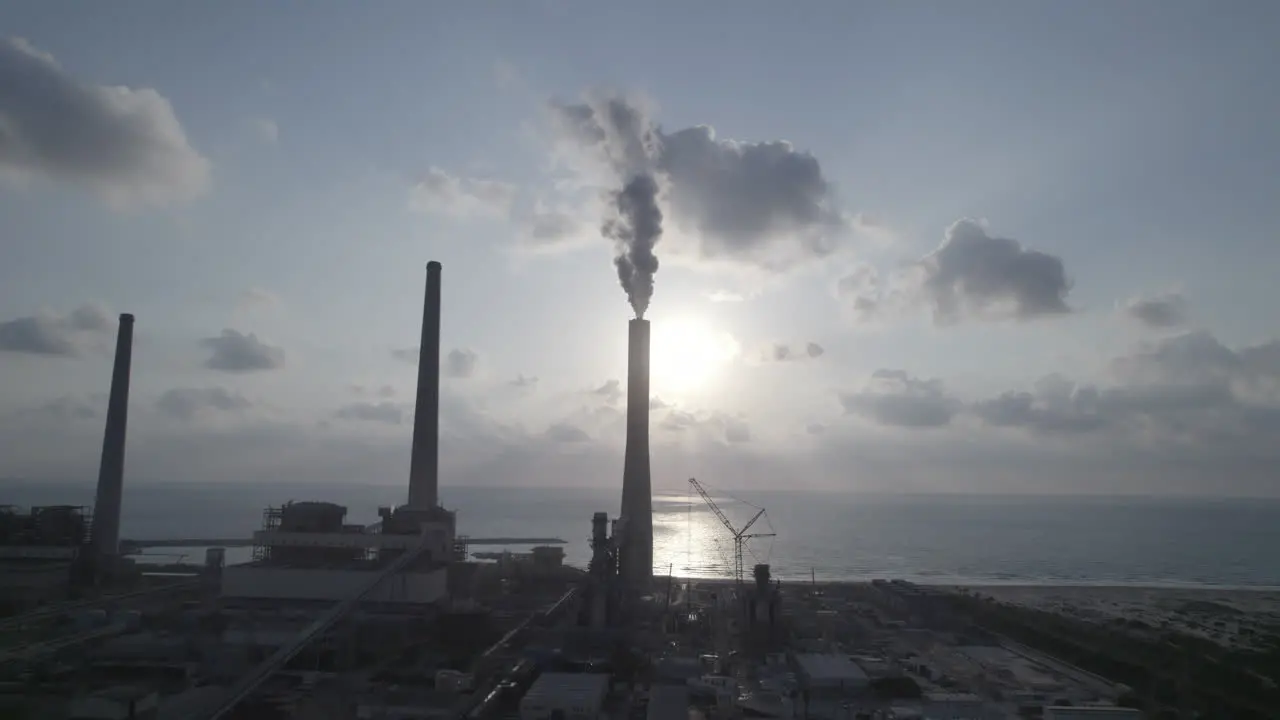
point(926, 538)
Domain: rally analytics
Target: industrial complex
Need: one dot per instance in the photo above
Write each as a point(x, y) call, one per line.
point(333, 619)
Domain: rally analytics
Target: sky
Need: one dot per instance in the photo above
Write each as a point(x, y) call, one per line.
point(987, 247)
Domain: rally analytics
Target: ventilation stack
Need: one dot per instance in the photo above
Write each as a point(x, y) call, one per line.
point(637, 498)
point(106, 507)
point(424, 482)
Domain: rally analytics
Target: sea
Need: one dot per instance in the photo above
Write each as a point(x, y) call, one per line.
point(934, 539)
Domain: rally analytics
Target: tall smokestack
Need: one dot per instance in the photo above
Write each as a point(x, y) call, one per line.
point(424, 462)
point(637, 498)
point(106, 504)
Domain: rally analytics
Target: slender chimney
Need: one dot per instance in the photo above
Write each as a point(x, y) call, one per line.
point(637, 498)
point(106, 505)
point(424, 462)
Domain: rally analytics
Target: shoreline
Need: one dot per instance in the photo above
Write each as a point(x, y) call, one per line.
point(1024, 585)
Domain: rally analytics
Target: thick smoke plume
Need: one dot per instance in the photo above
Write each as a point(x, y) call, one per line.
point(765, 205)
point(637, 229)
point(631, 146)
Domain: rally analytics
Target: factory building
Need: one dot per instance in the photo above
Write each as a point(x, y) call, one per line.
point(41, 552)
point(568, 696)
point(307, 551)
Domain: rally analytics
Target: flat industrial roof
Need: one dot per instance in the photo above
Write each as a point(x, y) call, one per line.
point(830, 667)
point(568, 687)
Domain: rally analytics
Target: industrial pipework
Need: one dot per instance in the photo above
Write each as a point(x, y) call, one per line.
point(105, 535)
point(424, 480)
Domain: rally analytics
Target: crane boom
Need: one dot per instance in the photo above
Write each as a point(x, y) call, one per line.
point(740, 537)
point(712, 504)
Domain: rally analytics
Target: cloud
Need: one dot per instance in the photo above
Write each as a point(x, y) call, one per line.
point(718, 427)
point(438, 192)
point(266, 130)
point(546, 228)
point(461, 363)
point(65, 410)
point(382, 412)
point(657, 403)
point(764, 204)
point(563, 432)
point(1183, 392)
point(233, 351)
point(894, 398)
point(409, 354)
point(1056, 406)
point(124, 143)
point(611, 391)
point(53, 334)
point(189, 403)
point(781, 352)
point(527, 382)
point(255, 298)
point(725, 296)
point(860, 290)
point(1160, 310)
point(975, 275)
point(815, 428)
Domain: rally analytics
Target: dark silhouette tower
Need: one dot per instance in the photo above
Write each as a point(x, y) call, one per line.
point(106, 505)
point(424, 481)
point(637, 498)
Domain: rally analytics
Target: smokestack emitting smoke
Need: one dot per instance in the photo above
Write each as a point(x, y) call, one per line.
point(637, 496)
point(424, 461)
point(637, 229)
point(106, 504)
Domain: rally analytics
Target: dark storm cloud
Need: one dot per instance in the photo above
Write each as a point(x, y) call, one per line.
point(233, 351)
point(894, 398)
point(52, 334)
point(461, 363)
point(381, 412)
point(1164, 310)
point(975, 275)
point(124, 142)
point(763, 203)
point(188, 403)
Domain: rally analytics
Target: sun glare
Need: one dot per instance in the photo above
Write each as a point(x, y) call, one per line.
point(687, 354)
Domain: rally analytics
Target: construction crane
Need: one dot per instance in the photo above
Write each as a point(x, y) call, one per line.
point(740, 537)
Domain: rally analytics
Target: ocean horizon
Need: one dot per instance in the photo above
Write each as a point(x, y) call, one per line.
point(961, 539)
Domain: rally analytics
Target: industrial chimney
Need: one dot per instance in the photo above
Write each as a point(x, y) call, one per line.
point(637, 498)
point(106, 505)
point(424, 461)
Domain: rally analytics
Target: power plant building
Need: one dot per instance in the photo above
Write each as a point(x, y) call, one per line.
point(308, 551)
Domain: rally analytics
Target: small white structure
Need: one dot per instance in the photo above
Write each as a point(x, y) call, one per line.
point(831, 672)
point(575, 696)
point(1091, 713)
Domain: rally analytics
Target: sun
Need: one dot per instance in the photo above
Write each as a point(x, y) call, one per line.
point(686, 354)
